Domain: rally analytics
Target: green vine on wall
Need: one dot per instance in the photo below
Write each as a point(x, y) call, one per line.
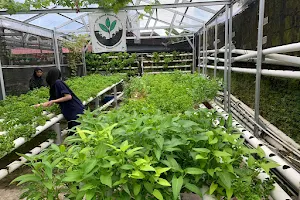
point(75, 46)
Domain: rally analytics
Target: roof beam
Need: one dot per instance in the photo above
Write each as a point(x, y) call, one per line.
point(180, 13)
point(70, 21)
point(203, 8)
point(82, 29)
point(138, 7)
point(34, 18)
point(25, 27)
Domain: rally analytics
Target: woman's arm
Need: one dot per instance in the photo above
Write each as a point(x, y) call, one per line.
point(67, 97)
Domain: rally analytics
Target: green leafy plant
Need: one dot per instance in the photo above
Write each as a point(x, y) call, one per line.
point(20, 118)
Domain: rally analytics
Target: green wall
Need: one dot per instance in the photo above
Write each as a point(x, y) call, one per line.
point(279, 99)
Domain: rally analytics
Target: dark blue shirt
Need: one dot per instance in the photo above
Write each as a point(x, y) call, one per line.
point(70, 109)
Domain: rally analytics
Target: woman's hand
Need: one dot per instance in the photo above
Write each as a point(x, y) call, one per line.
point(48, 104)
point(37, 105)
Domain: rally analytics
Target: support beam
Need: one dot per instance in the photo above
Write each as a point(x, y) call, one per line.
point(177, 12)
point(203, 8)
point(2, 93)
point(173, 20)
point(85, 24)
point(229, 59)
point(216, 48)
point(139, 7)
point(34, 17)
point(189, 41)
point(24, 27)
point(70, 21)
point(56, 51)
point(226, 60)
point(259, 62)
point(133, 29)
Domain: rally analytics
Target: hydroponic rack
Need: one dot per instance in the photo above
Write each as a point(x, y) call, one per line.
point(202, 55)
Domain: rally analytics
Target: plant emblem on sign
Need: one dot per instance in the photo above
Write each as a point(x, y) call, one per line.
point(108, 27)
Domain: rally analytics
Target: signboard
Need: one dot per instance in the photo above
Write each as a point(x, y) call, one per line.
point(108, 31)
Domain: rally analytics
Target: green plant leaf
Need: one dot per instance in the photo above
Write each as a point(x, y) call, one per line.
point(193, 188)
point(157, 194)
point(136, 189)
point(90, 194)
point(137, 175)
point(133, 151)
point(126, 189)
point(26, 178)
point(163, 182)
point(106, 180)
point(200, 157)
point(160, 170)
point(87, 187)
point(212, 188)
point(160, 141)
point(124, 146)
point(72, 176)
point(107, 22)
point(149, 187)
point(113, 24)
point(194, 171)
point(221, 154)
point(268, 166)
point(103, 28)
point(211, 172)
point(157, 153)
point(127, 167)
point(147, 168)
point(251, 161)
point(201, 150)
point(187, 123)
point(176, 186)
point(225, 178)
point(212, 141)
point(229, 193)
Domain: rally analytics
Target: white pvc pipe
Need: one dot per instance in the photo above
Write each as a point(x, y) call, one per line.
point(265, 72)
point(280, 49)
point(16, 164)
point(21, 140)
point(290, 174)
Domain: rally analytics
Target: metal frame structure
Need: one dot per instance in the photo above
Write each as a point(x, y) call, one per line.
point(272, 54)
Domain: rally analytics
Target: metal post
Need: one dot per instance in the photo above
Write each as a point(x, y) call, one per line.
point(115, 96)
point(204, 30)
point(83, 62)
point(97, 102)
point(57, 130)
point(259, 62)
point(199, 56)
point(194, 54)
point(142, 64)
point(226, 59)
point(216, 48)
point(56, 52)
point(206, 42)
point(229, 60)
point(3, 93)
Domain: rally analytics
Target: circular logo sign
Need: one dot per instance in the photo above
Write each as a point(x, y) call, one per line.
point(108, 30)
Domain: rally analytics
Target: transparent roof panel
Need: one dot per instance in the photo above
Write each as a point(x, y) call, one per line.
point(20, 17)
point(49, 21)
point(185, 18)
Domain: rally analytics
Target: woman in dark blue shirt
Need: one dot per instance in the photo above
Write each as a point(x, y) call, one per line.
point(61, 94)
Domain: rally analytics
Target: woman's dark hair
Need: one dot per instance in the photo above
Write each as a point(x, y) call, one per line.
point(35, 71)
point(53, 75)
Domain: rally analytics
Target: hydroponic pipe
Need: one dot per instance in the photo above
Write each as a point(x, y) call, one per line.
point(280, 49)
point(290, 174)
point(266, 72)
point(267, 123)
point(277, 193)
point(16, 164)
point(21, 140)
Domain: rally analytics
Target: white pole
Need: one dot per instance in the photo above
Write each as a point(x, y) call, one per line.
point(226, 59)
point(3, 93)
